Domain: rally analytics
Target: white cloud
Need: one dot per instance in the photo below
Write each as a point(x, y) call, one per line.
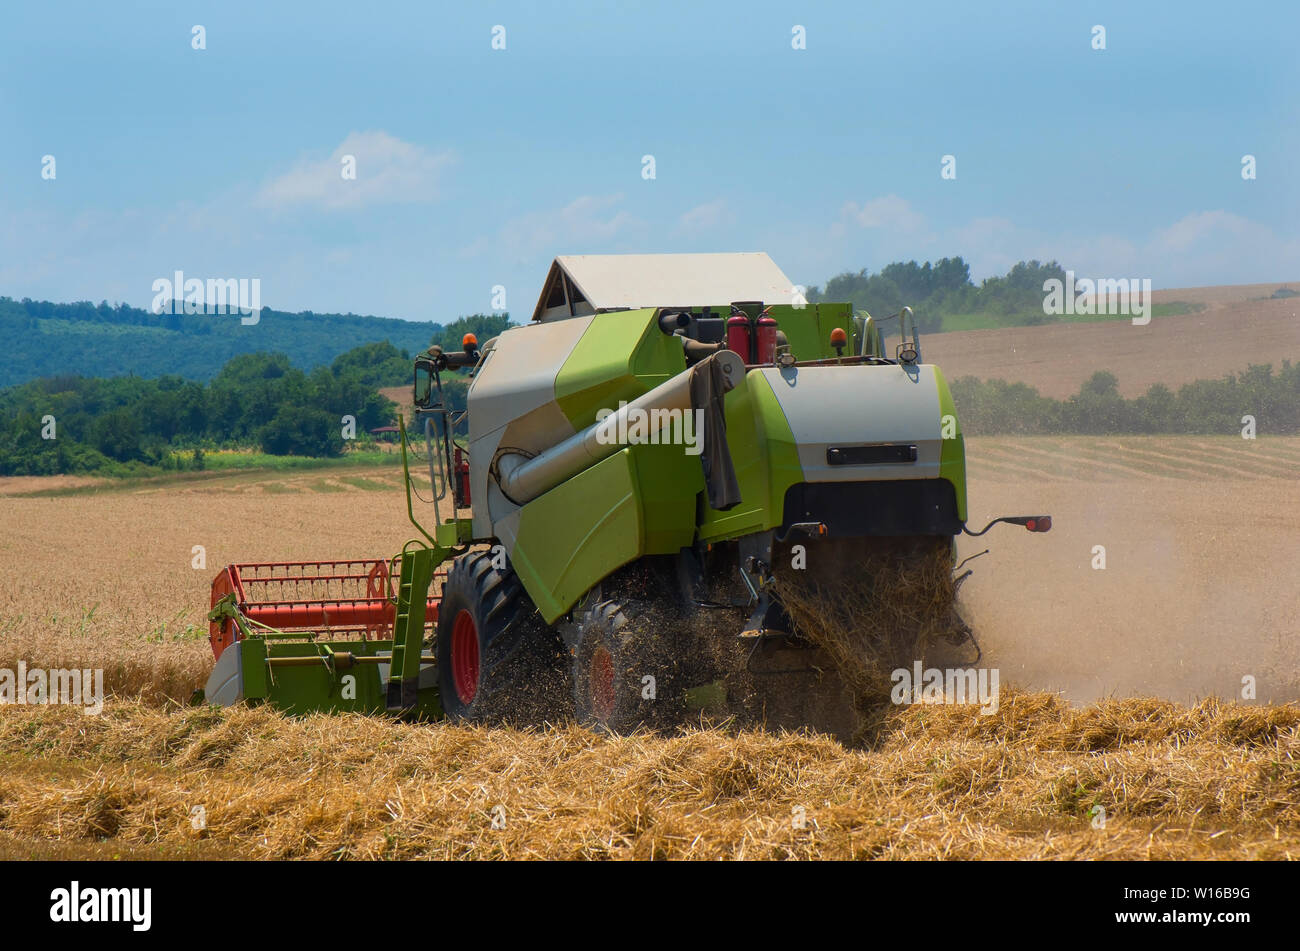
point(890, 212)
point(1191, 229)
point(588, 215)
point(388, 170)
point(705, 216)
point(1219, 247)
point(1201, 248)
point(585, 223)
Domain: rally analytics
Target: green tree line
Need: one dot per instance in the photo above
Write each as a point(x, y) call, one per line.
point(127, 423)
point(46, 339)
point(995, 407)
point(944, 288)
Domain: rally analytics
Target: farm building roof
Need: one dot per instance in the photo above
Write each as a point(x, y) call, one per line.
point(580, 284)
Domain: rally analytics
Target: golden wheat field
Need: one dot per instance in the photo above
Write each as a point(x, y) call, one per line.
point(1121, 690)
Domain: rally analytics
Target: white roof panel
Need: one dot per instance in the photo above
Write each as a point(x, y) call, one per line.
point(610, 281)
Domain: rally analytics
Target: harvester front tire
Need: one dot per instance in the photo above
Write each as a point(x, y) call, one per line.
point(497, 661)
point(624, 678)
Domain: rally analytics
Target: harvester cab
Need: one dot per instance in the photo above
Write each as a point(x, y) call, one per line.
point(674, 468)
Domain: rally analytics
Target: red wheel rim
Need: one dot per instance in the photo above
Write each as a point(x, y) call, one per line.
point(602, 684)
point(464, 656)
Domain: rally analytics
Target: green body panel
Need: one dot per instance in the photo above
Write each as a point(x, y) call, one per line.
point(303, 690)
point(255, 675)
point(454, 533)
point(765, 458)
point(808, 328)
point(952, 457)
point(619, 357)
point(579, 532)
point(669, 481)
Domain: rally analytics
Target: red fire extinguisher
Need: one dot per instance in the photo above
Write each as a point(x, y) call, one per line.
point(765, 336)
point(739, 338)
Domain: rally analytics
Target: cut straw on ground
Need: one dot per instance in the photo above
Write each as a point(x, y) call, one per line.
point(1212, 781)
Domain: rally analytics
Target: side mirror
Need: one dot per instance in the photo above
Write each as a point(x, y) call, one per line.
point(424, 382)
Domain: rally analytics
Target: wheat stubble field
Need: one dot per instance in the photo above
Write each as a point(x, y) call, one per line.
point(1118, 689)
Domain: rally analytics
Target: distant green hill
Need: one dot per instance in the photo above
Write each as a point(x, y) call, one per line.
point(45, 339)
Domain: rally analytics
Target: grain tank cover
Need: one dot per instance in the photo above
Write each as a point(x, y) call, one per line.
point(580, 284)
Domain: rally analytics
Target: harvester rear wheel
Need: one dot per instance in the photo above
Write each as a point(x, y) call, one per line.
point(497, 660)
point(625, 668)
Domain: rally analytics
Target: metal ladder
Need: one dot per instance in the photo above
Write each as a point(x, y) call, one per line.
point(408, 626)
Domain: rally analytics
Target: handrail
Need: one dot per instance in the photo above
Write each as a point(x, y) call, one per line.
point(406, 474)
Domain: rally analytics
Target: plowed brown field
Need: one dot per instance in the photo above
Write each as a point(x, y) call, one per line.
point(1226, 337)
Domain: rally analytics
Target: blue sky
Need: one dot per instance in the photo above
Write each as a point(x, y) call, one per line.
point(476, 166)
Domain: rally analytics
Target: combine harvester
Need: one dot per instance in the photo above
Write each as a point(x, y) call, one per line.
point(645, 458)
